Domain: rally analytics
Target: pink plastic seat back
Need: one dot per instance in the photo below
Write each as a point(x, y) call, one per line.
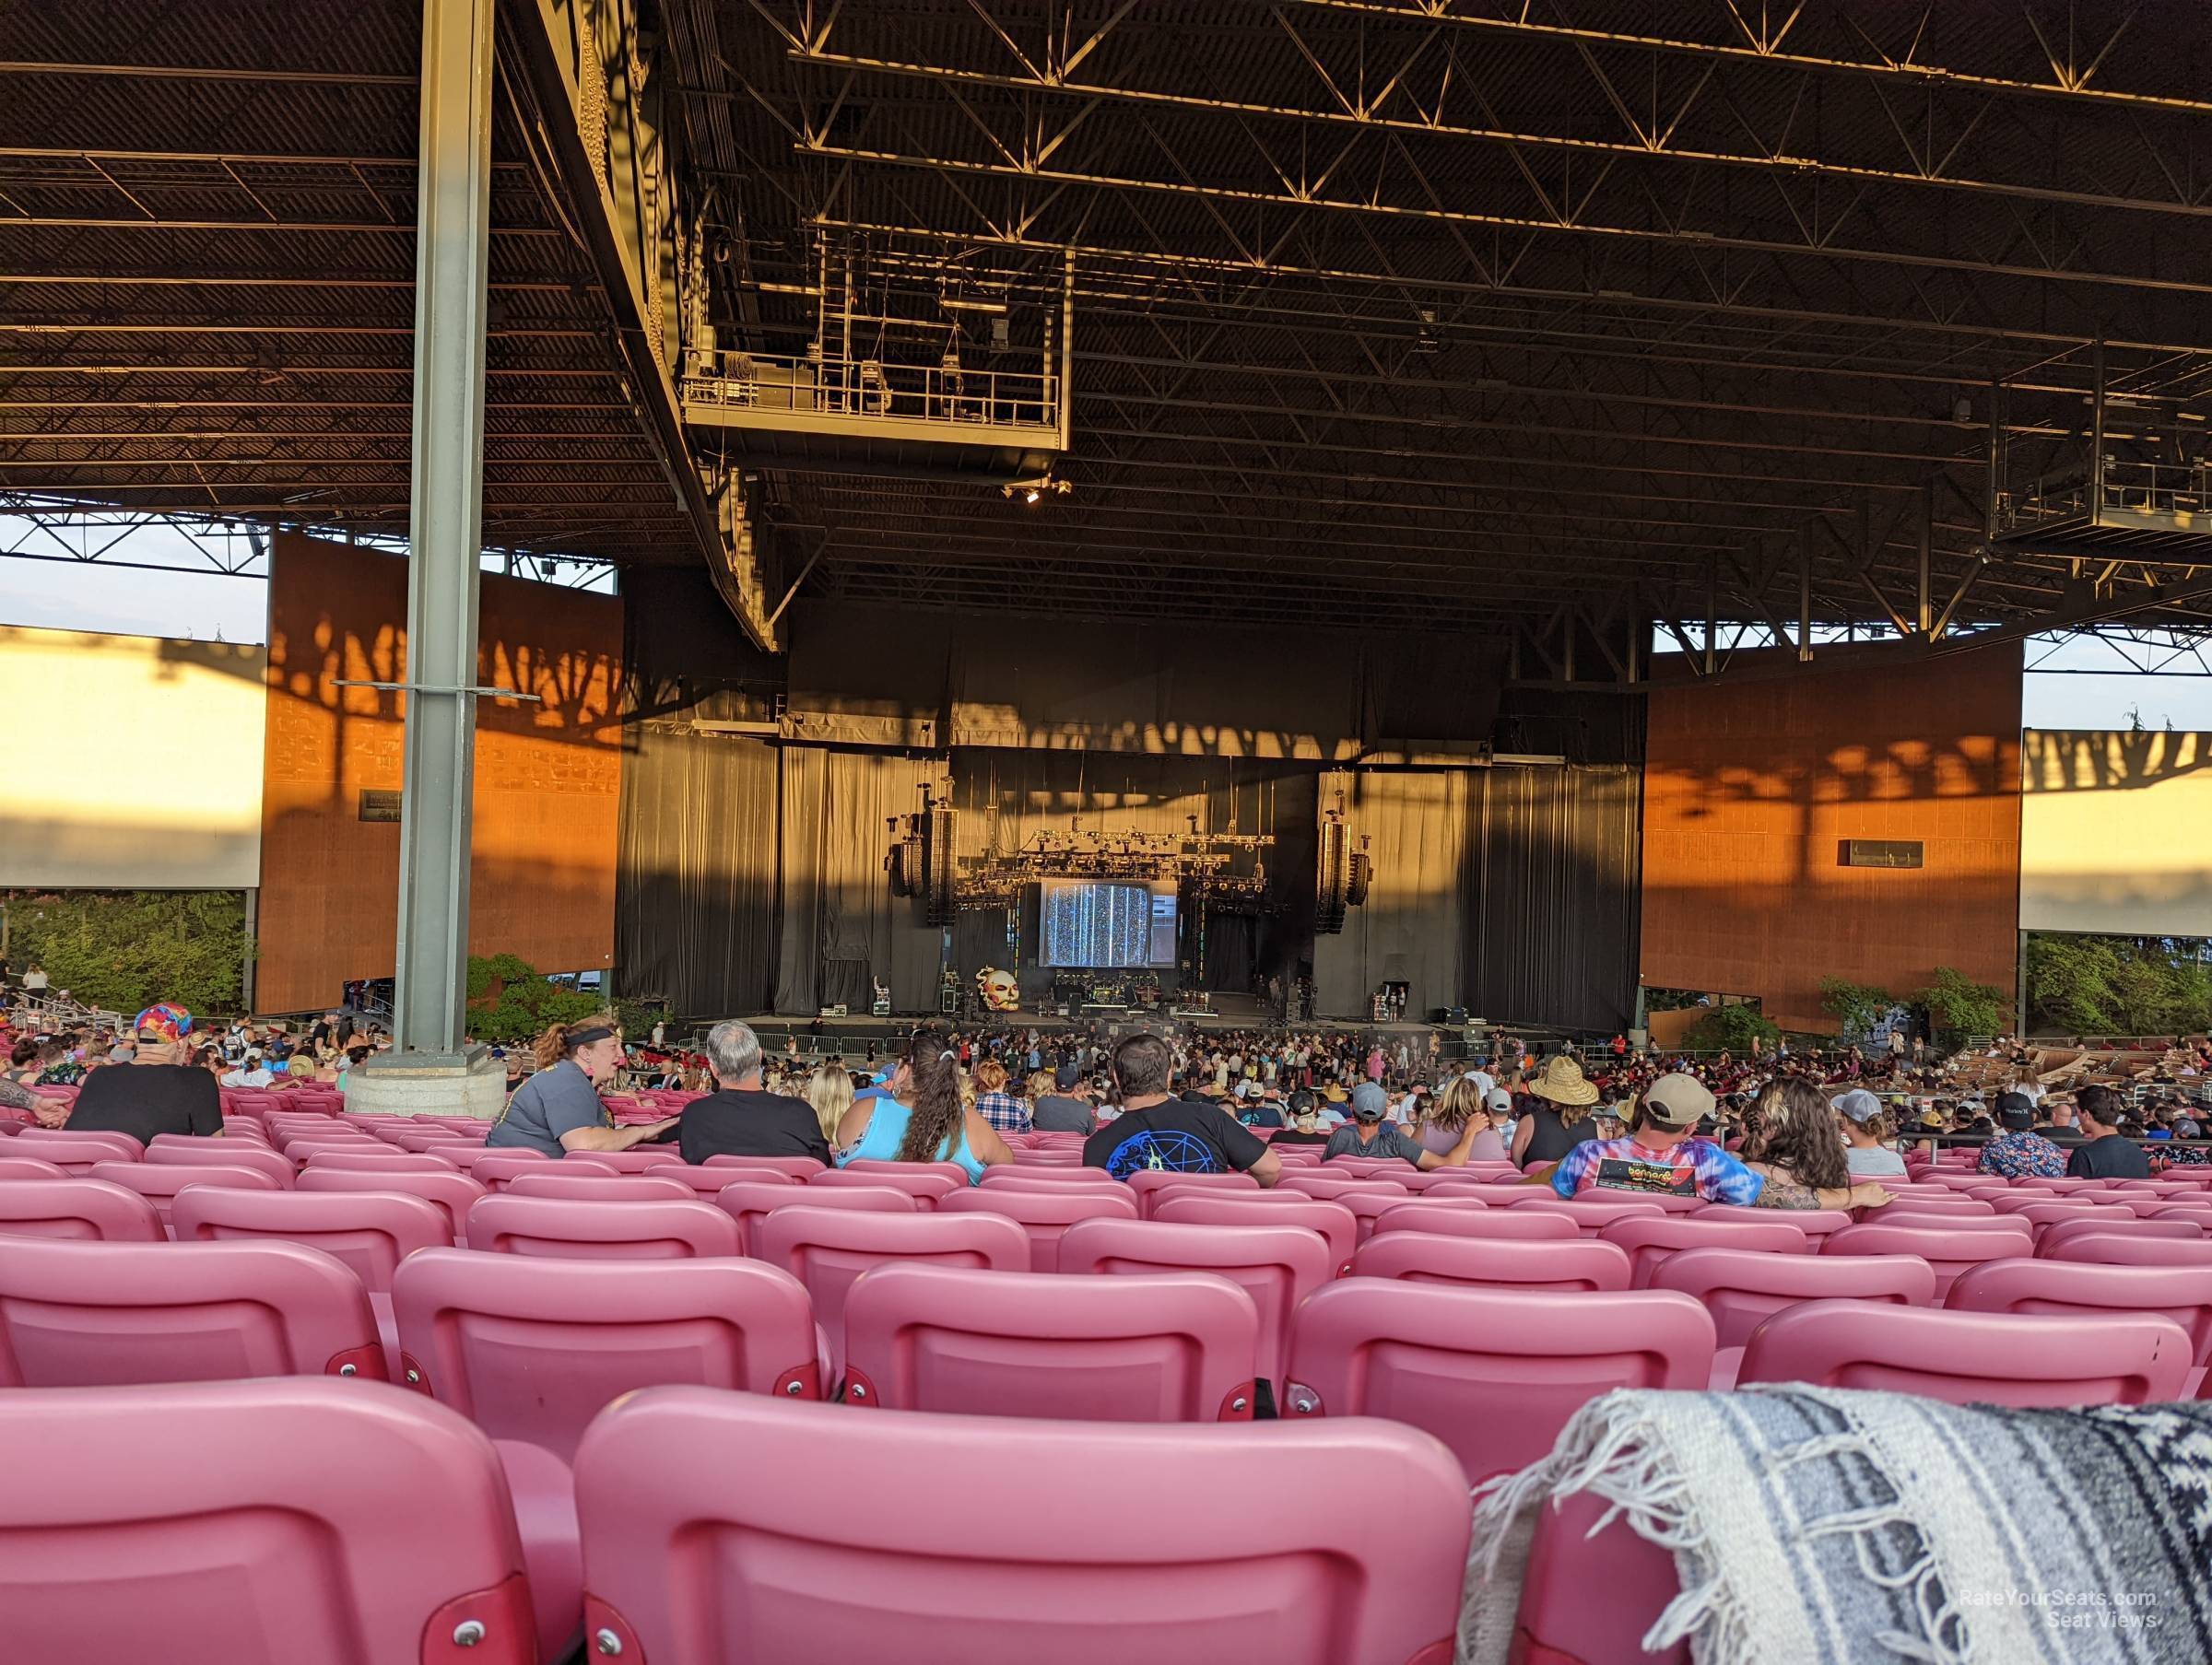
point(1450, 1219)
point(1494, 1374)
point(379, 1162)
point(83, 1315)
point(798, 1167)
point(264, 1523)
point(88, 1210)
point(706, 1183)
point(1947, 1249)
point(599, 1188)
point(496, 1168)
point(1180, 1347)
point(533, 1349)
point(2051, 1238)
point(748, 1202)
point(1649, 1239)
point(876, 1165)
point(826, 1249)
point(1278, 1266)
point(161, 1186)
point(2119, 1358)
point(1332, 1186)
point(1338, 1227)
point(1494, 1262)
point(677, 1229)
point(1743, 1287)
point(2180, 1292)
point(1044, 1217)
point(75, 1153)
point(2131, 1248)
point(371, 1232)
point(221, 1152)
point(28, 1168)
point(452, 1193)
point(1817, 1224)
point(922, 1182)
point(1201, 1544)
point(1049, 1179)
point(1367, 1167)
point(1557, 1624)
point(1592, 1214)
point(638, 1159)
point(1147, 1182)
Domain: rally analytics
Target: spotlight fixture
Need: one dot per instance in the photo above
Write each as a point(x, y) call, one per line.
point(1031, 495)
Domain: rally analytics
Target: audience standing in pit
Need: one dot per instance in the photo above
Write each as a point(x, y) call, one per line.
point(559, 1109)
point(1368, 1135)
point(920, 1116)
point(158, 1091)
point(1158, 1131)
point(2019, 1153)
point(2104, 1152)
point(741, 1119)
point(1865, 1129)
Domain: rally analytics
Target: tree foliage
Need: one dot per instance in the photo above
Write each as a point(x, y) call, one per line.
point(1731, 1028)
point(1957, 1006)
point(2118, 985)
point(1857, 1007)
point(509, 1002)
point(125, 949)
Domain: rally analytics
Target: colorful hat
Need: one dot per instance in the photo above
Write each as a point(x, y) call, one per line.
point(165, 1021)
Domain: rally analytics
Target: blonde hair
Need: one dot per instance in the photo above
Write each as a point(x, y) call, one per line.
point(1041, 1083)
point(554, 1045)
point(829, 1091)
point(1451, 1109)
point(990, 1075)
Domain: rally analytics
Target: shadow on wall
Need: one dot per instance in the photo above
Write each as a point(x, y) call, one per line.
point(2074, 760)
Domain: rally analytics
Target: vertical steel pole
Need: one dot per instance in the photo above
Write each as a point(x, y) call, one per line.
point(444, 522)
point(1712, 610)
point(1805, 597)
point(1927, 536)
point(2097, 431)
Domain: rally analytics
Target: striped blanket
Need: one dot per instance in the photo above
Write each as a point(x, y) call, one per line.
point(1821, 1526)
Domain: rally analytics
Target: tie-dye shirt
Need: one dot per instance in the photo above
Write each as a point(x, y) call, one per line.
point(1696, 1168)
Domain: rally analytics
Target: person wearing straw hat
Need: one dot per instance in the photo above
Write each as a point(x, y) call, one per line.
point(1557, 1116)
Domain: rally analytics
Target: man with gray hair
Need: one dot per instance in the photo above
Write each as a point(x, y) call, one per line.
point(738, 1119)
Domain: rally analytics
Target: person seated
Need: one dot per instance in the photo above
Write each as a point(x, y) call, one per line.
point(1158, 1131)
point(1052, 1110)
point(156, 1092)
point(252, 1071)
point(559, 1109)
point(741, 1117)
point(1367, 1134)
point(920, 1116)
point(994, 1104)
point(2021, 1152)
point(1865, 1129)
point(1800, 1158)
point(1663, 1152)
point(1305, 1121)
point(2105, 1153)
point(830, 1093)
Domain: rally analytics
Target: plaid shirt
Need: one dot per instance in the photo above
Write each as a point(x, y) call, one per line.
point(1002, 1111)
point(2022, 1155)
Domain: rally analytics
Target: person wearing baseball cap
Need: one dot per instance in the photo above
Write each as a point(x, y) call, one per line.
point(1367, 1134)
point(2021, 1152)
point(1660, 1153)
point(1864, 1123)
point(158, 1091)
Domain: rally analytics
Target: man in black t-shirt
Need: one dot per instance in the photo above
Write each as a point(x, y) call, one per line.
point(2104, 1155)
point(739, 1119)
point(156, 1092)
point(1160, 1131)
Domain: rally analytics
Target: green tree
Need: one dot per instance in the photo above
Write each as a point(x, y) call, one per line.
point(509, 1002)
point(1957, 1006)
point(1731, 1028)
point(125, 949)
point(1856, 1007)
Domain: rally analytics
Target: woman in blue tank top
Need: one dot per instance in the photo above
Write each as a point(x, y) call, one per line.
point(918, 1117)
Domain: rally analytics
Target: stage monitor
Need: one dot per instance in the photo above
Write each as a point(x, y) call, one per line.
point(1106, 923)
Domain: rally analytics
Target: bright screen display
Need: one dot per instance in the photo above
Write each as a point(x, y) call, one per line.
point(1107, 923)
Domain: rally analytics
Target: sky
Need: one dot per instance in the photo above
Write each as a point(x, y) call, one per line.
point(207, 605)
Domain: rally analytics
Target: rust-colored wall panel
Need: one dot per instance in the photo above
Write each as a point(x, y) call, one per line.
point(548, 776)
point(1751, 786)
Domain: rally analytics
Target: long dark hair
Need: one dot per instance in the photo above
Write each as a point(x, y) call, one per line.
point(1801, 1135)
point(939, 1117)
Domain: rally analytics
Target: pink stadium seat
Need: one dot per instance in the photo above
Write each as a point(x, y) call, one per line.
point(1496, 1195)
point(1494, 1263)
point(748, 1202)
point(707, 1183)
point(2180, 1292)
point(1973, 1357)
point(1170, 1348)
point(1043, 1216)
point(1949, 1205)
point(255, 1523)
point(1145, 1182)
point(495, 1169)
point(638, 1159)
point(671, 1229)
point(1171, 1543)
point(1592, 1214)
point(1649, 1240)
point(1338, 1225)
point(161, 1186)
point(1052, 1179)
point(925, 1186)
point(1366, 1167)
point(74, 1154)
point(798, 1168)
point(1452, 1219)
point(88, 1210)
point(1557, 1624)
point(1742, 1287)
point(2100, 1225)
point(873, 1164)
point(1494, 1374)
point(2114, 1248)
point(1331, 1185)
point(1369, 1202)
point(454, 1194)
point(598, 1188)
point(826, 1249)
point(1949, 1249)
point(1277, 1266)
point(377, 1161)
point(30, 1167)
point(227, 1152)
point(467, 1156)
point(1817, 1224)
point(80, 1315)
